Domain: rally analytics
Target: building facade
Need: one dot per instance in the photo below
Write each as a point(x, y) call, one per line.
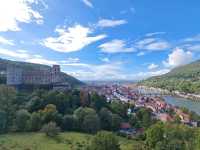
point(18, 76)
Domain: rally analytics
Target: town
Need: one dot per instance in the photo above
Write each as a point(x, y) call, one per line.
point(137, 96)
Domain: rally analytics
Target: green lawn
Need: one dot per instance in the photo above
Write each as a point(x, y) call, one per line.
point(66, 141)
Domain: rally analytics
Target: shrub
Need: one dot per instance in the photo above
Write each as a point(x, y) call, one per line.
point(51, 129)
point(104, 141)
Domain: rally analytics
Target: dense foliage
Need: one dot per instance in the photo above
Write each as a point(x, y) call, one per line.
point(75, 110)
point(70, 110)
point(172, 137)
point(184, 79)
point(104, 141)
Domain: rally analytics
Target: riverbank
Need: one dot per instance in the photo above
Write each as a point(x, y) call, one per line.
point(193, 97)
point(159, 91)
point(182, 102)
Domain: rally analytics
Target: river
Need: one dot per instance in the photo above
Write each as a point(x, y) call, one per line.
point(182, 102)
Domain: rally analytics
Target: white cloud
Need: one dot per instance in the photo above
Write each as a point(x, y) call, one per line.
point(140, 54)
point(23, 55)
point(142, 43)
point(107, 71)
point(14, 54)
point(178, 57)
point(88, 3)
point(70, 60)
point(41, 61)
point(154, 33)
point(152, 66)
point(5, 41)
point(71, 39)
point(160, 45)
point(144, 75)
point(193, 39)
point(110, 23)
point(110, 71)
point(12, 12)
point(195, 47)
point(76, 65)
point(37, 56)
point(116, 46)
point(105, 59)
point(22, 51)
point(152, 44)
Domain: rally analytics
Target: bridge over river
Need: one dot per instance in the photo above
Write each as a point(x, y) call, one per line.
point(150, 91)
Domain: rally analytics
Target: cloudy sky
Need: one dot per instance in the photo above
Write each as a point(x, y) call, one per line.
point(102, 39)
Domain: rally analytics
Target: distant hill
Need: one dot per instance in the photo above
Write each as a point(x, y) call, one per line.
point(184, 78)
point(4, 63)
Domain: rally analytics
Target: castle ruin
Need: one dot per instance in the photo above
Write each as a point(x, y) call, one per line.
point(34, 76)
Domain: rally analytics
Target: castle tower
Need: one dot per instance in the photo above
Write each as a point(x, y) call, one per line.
point(55, 71)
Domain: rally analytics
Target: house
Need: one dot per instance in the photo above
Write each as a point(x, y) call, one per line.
point(164, 117)
point(126, 129)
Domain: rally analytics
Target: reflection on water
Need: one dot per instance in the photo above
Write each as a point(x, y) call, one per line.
point(182, 102)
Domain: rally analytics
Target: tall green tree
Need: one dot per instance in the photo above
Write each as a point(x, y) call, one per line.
point(69, 123)
point(116, 122)
point(154, 135)
point(7, 102)
point(22, 118)
point(105, 118)
point(91, 123)
point(35, 122)
point(97, 101)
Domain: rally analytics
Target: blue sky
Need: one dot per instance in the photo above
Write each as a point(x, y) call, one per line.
point(102, 39)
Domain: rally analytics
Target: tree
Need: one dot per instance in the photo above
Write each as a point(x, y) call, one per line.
point(51, 129)
point(197, 140)
point(98, 102)
point(104, 141)
point(87, 118)
point(116, 122)
point(7, 98)
point(91, 123)
point(50, 114)
point(35, 104)
point(22, 118)
point(81, 112)
point(154, 135)
point(69, 123)
point(84, 99)
point(119, 108)
point(3, 121)
point(35, 121)
point(105, 119)
point(170, 137)
point(144, 117)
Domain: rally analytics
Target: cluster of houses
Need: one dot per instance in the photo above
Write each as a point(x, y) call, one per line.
point(160, 109)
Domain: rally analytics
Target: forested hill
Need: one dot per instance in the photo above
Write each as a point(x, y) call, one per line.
point(4, 63)
point(185, 79)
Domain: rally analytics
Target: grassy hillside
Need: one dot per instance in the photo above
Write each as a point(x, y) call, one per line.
point(66, 141)
point(28, 66)
point(185, 79)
